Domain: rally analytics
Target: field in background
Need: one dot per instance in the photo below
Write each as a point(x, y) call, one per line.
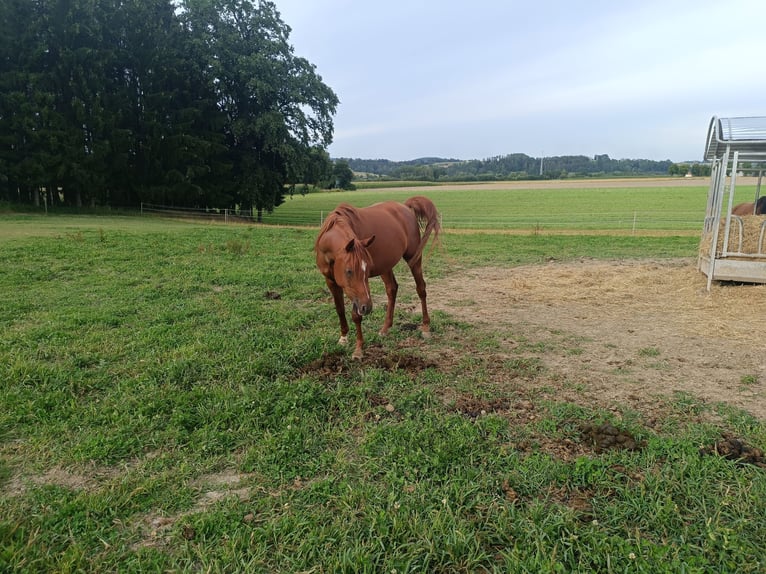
point(619, 205)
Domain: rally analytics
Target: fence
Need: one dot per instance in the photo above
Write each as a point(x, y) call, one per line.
point(630, 221)
point(211, 214)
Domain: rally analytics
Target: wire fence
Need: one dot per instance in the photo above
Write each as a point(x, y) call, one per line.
point(211, 214)
point(631, 221)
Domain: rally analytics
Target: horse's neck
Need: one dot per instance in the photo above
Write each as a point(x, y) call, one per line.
point(337, 235)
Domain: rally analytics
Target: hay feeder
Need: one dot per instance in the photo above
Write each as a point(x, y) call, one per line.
point(732, 247)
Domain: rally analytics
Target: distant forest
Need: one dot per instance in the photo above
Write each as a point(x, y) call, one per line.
point(517, 166)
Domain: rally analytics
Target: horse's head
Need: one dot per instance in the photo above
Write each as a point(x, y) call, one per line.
point(351, 271)
point(760, 206)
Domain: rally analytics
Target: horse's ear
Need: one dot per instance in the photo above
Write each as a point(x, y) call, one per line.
point(350, 246)
point(367, 242)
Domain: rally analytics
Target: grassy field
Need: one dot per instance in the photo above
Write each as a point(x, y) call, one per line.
point(172, 399)
point(679, 209)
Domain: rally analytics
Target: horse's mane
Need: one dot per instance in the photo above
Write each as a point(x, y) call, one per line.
point(346, 216)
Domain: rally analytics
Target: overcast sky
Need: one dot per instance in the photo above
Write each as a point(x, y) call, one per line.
point(472, 80)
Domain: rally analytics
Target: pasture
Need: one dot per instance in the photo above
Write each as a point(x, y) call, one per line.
point(173, 399)
point(620, 206)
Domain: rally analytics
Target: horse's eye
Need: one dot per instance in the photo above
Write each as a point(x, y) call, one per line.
point(349, 273)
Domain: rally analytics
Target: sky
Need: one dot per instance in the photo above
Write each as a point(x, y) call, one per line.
point(486, 78)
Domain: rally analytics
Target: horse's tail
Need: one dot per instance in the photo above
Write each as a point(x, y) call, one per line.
point(428, 220)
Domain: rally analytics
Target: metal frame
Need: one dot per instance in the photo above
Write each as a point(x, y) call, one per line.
point(730, 143)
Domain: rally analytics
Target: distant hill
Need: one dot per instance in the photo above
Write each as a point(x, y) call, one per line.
point(512, 166)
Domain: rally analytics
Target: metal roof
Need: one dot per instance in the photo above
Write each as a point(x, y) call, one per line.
point(747, 135)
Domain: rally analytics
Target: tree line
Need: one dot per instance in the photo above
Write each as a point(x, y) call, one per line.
point(180, 102)
point(519, 166)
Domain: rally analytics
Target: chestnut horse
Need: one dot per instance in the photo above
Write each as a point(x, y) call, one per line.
point(355, 244)
point(757, 208)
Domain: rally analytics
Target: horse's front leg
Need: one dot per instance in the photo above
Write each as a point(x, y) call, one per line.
point(356, 317)
point(340, 309)
point(392, 287)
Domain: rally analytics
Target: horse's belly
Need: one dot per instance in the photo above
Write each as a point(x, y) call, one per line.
point(383, 262)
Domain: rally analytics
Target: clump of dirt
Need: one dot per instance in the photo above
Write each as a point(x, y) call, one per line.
point(328, 365)
point(399, 362)
point(608, 437)
point(473, 407)
point(737, 450)
point(335, 363)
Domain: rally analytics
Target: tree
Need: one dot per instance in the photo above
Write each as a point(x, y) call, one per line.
point(171, 128)
point(276, 107)
point(314, 168)
point(342, 175)
point(188, 102)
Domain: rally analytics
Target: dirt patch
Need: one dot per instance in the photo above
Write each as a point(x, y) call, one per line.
point(336, 363)
point(621, 332)
point(63, 477)
point(474, 408)
point(155, 530)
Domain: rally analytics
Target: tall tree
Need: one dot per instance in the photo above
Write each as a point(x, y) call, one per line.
point(22, 97)
point(276, 106)
point(167, 129)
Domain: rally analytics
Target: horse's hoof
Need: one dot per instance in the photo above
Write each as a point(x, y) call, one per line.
point(426, 334)
point(343, 340)
point(357, 355)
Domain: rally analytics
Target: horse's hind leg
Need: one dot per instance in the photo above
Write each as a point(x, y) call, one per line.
point(420, 286)
point(392, 287)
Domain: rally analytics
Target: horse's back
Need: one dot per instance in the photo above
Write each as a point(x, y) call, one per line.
point(742, 209)
point(396, 232)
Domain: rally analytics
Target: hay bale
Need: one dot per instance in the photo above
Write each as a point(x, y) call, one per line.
point(751, 236)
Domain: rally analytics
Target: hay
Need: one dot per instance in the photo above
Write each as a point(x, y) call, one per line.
point(647, 293)
point(750, 225)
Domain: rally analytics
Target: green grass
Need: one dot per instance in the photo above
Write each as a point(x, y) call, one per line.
point(160, 410)
point(626, 209)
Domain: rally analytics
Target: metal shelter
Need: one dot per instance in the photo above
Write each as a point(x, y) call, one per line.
point(732, 246)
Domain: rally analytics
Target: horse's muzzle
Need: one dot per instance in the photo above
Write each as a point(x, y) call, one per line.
point(363, 308)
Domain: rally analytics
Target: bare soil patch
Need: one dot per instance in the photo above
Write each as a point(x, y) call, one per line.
point(333, 364)
point(621, 332)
